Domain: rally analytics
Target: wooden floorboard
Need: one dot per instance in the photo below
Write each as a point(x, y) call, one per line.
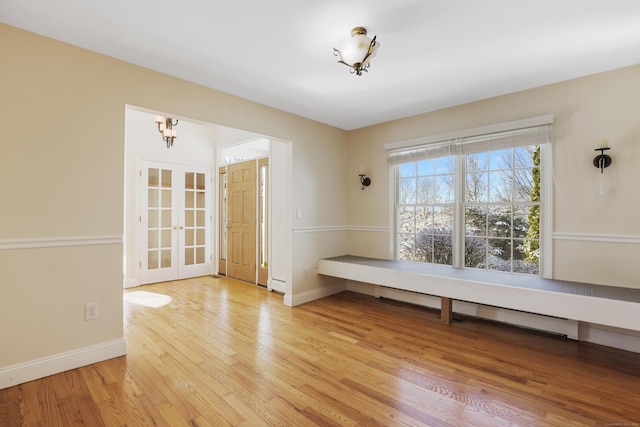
point(224, 352)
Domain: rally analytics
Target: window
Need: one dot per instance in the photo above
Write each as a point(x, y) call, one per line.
point(502, 210)
point(472, 201)
point(425, 210)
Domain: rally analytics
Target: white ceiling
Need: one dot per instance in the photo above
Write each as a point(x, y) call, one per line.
point(433, 53)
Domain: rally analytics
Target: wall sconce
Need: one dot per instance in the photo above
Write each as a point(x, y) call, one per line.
point(602, 160)
point(165, 127)
point(357, 51)
point(364, 181)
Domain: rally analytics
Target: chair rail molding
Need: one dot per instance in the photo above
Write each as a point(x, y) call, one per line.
point(325, 229)
point(604, 238)
point(52, 242)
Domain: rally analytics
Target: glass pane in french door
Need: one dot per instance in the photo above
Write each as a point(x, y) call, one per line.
point(159, 206)
point(194, 218)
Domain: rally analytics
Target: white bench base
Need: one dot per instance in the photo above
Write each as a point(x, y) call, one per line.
point(602, 305)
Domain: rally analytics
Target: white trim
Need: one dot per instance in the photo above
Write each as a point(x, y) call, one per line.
point(319, 229)
point(51, 365)
point(459, 226)
point(623, 339)
point(131, 283)
point(393, 236)
point(53, 242)
point(500, 127)
point(546, 211)
point(328, 229)
point(313, 294)
point(277, 285)
point(369, 229)
point(603, 238)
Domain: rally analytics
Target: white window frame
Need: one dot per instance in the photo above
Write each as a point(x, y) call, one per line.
point(441, 142)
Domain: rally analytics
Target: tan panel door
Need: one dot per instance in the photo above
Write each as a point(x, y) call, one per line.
point(241, 237)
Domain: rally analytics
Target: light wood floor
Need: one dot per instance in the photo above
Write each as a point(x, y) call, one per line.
point(224, 352)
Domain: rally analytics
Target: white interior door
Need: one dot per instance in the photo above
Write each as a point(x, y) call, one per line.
point(194, 240)
point(175, 222)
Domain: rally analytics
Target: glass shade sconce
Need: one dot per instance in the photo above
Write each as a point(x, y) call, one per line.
point(602, 161)
point(165, 127)
point(364, 180)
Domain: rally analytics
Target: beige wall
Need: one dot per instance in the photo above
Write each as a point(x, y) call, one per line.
point(596, 239)
point(62, 182)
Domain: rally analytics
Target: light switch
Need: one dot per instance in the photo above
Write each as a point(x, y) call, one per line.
point(298, 213)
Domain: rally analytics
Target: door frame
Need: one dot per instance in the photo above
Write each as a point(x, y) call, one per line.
point(280, 221)
point(261, 276)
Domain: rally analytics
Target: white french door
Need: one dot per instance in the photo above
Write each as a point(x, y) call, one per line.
point(175, 222)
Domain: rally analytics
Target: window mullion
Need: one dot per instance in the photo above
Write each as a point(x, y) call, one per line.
point(458, 211)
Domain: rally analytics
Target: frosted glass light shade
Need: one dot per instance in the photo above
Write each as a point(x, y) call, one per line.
point(357, 51)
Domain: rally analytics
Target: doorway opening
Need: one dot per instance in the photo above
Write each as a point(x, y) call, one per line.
point(244, 207)
point(202, 148)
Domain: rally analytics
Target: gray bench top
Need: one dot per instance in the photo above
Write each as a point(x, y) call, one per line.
point(496, 277)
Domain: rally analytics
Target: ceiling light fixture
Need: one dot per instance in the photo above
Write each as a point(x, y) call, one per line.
point(357, 51)
point(165, 127)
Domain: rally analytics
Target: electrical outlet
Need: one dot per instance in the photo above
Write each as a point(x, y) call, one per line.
point(91, 311)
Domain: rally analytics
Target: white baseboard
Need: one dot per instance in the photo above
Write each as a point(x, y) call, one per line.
point(35, 369)
point(312, 295)
point(131, 283)
point(623, 339)
point(518, 318)
point(277, 285)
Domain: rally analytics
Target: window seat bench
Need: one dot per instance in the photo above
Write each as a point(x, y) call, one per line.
point(617, 307)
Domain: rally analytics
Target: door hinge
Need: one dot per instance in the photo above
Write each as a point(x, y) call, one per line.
point(140, 218)
point(140, 266)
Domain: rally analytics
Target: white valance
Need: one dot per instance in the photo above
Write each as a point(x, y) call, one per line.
point(534, 131)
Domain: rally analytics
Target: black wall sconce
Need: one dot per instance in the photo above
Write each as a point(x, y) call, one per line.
point(364, 180)
point(602, 160)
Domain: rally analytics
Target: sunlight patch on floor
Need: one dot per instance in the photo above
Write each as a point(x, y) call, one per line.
point(148, 299)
